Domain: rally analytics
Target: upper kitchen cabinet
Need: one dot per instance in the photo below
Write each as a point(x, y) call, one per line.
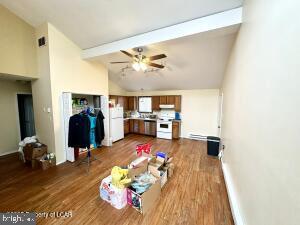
point(132, 103)
point(163, 100)
point(121, 100)
point(177, 103)
point(155, 103)
point(113, 98)
point(170, 100)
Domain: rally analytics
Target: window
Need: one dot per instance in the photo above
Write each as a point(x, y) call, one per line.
point(145, 104)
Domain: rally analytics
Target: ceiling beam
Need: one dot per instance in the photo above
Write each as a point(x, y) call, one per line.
point(203, 24)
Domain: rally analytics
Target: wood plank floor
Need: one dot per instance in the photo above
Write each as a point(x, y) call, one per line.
point(196, 194)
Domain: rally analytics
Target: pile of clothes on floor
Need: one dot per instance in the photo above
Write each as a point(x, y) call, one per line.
point(22, 144)
point(32, 152)
point(138, 184)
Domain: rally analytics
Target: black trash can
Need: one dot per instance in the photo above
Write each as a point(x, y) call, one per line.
point(213, 145)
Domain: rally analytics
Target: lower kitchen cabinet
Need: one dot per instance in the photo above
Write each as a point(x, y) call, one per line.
point(175, 129)
point(126, 127)
point(141, 127)
point(137, 126)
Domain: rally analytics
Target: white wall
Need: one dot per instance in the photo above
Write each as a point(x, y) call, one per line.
point(261, 125)
point(199, 110)
point(9, 118)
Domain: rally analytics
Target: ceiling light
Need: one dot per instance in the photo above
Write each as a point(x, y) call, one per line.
point(136, 66)
point(143, 66)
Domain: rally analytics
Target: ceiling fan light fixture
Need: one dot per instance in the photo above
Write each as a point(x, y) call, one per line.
point(136, 66)
point(143, 66)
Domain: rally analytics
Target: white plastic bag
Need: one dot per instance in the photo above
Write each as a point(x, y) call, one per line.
point(115, 196)
point(119, 197)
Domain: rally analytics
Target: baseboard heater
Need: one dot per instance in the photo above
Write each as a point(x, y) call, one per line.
point(198, 137)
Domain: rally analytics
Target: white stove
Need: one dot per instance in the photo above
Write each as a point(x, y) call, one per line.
point(164, 124)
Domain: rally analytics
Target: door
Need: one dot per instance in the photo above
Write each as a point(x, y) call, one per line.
point(26, 115)
point(117, 129)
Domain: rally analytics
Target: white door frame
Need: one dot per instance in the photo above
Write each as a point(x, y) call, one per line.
point(66, 104)
point(220, 114)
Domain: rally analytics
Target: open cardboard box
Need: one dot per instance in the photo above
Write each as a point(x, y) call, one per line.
point(145, 201)
point(156, 167)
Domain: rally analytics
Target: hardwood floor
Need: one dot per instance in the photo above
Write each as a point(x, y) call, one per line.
point(196, 193)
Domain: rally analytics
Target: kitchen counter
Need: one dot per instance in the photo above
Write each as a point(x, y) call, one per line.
point(139, 118)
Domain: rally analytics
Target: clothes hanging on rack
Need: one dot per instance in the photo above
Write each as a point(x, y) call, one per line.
point(99, 130)
point(79, 131)
point(93, 121)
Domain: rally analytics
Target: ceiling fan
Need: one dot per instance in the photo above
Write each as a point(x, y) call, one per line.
point(140, 61)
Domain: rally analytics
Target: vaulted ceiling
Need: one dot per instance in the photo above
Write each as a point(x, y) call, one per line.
point(95, 22)
point(193, 62)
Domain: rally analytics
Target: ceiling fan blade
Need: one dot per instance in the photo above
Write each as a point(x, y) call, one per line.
point(155, 65)
point(156, 57)
point(120, 62)
point(128, 54)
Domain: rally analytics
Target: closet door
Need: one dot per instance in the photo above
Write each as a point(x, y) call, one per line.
point(67, 113)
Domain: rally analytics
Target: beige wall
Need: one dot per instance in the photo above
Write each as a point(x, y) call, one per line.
point(17, 46)
point(41, 94)
point(261, 125)
point(199, 110)
point(69, 73)
point(9, 118)
point(115, 89)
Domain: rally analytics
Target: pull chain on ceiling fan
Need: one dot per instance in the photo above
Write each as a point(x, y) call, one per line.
point(140, 61)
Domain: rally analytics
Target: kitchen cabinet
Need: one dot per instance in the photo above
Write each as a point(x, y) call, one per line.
point(177, 103)
point(131, 126)
point(171, 100)
point(141, 126)
point(175, 129)
point(113, 98)
point(123, 102)
point(163, 100)
point(132, 103)
point(136, 126)
point(126, 127)
point(155, 103)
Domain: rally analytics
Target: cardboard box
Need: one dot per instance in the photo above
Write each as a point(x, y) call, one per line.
point(46, 164)
point(164, 178)
point(137, 167)
point(156, 167)
point(145, 201)
point(31, 151)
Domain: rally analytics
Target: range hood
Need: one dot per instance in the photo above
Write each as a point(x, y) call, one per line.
point(167, 106)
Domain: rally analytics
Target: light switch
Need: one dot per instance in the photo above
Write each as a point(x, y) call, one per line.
point(49, 110)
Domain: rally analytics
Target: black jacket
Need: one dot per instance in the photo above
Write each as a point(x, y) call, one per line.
point(99, 130)
point(79, 131)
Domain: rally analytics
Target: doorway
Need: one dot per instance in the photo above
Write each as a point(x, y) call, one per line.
point(26, 116)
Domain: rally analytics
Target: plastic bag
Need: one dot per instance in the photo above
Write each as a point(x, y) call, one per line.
point(119, 177)
point(115, 196)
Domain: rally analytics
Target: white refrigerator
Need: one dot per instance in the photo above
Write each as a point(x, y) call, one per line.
point(116, 123)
